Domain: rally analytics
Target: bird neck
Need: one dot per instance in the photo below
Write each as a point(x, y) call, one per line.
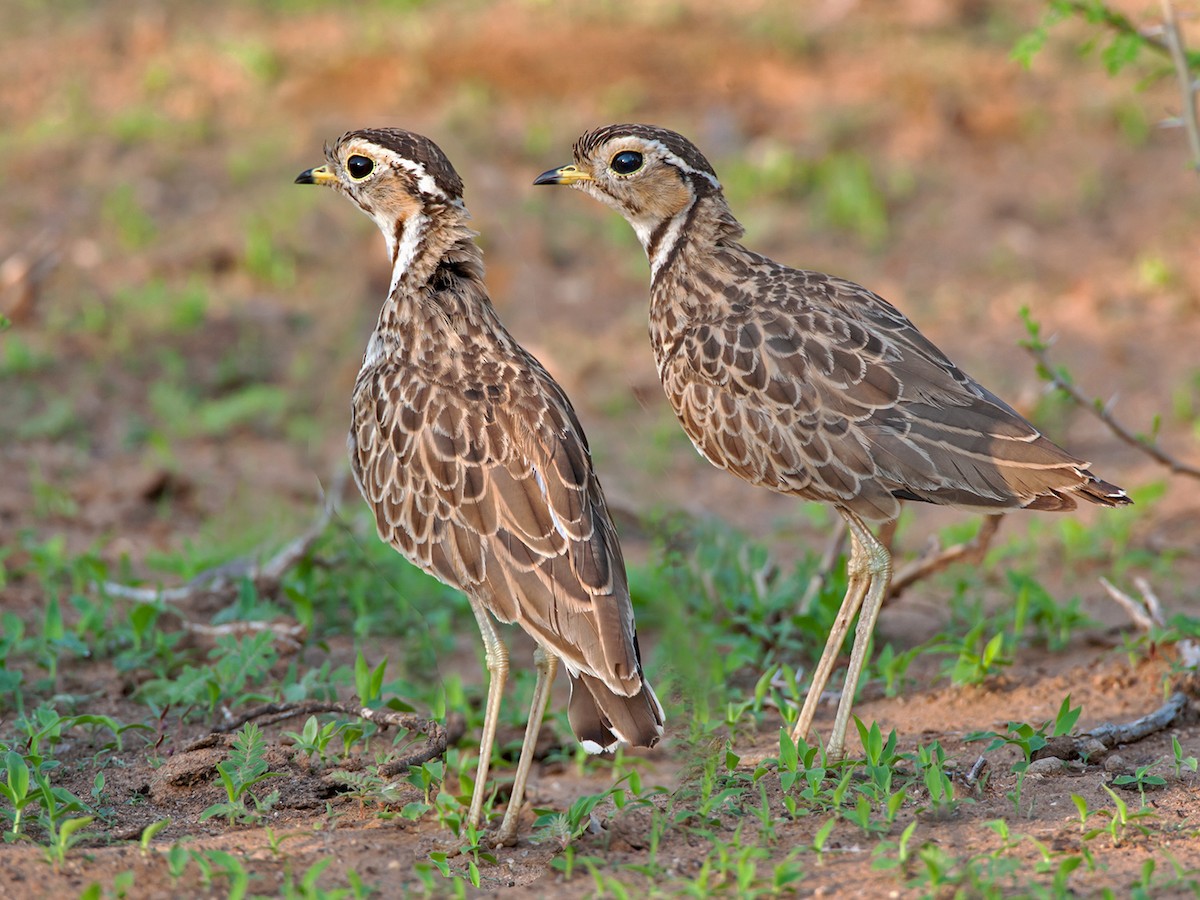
point(692, 234)
point(423, 244)
point(682, 271)
point(437, 289)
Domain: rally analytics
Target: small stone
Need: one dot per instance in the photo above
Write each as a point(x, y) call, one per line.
point(1047, 765)
point(1115, 763)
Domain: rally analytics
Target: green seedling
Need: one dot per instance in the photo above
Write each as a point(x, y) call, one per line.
point(62, 836)
point(314, 738)
point(368, 682)
point(245, 768)
point(149, 833)
point(16, 789)
point(895, 854)
point(1181, 762)
point(1141, 779)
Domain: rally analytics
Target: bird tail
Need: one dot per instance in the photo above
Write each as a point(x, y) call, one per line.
point(1091, 489)
point(602, 718)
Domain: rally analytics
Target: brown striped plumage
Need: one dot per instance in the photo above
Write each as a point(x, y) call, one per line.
point(474, 463)
point(808, 384)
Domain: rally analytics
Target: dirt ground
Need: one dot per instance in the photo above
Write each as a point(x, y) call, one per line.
point(154, 144)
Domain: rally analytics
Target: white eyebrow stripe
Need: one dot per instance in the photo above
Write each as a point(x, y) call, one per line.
point(425, 182)
point(675, 160)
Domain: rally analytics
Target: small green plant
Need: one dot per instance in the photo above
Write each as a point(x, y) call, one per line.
point(1029, 740)
point(974, 663)
point(16, 789)
point(62, 836)
point(930, 763)
point(149, 833)
point(895, 854)
point(368, 682)
point(246, 767)
point(1181, 762)
point(1141, 779)
point(314, 738)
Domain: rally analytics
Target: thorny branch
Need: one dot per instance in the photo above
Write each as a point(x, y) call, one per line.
point(1037, 349)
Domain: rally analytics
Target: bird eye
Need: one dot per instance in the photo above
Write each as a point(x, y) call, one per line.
point(359, 167)
point(626, 162)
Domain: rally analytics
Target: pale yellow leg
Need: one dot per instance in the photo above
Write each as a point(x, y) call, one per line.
point(496, 658)
point(858, 580)
point(547, 665)
point(879, 569)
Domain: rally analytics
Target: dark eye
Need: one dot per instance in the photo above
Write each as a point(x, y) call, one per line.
point(626, 162)
point(359, 167)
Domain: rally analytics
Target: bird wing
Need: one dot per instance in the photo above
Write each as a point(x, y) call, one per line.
point(490, 488)
point(823, 389)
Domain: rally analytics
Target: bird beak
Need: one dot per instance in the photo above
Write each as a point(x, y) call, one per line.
point(563, 175)
point(319, 175)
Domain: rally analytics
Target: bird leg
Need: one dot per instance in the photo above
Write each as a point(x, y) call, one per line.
point(858, 581)
point(547, 665)
point(879, 572)
point(496, 658)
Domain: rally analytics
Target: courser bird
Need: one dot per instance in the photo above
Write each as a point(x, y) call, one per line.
point(475, 465)
point(811, 385)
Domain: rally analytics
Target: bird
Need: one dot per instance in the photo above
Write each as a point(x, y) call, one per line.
point(811, 385)
point(475, 465)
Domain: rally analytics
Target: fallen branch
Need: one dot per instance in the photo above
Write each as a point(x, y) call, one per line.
point(976, 770)
point(936, 558)
point(1037, 349)
point(290, 635)
point(437, 736)
point(228, 577)
point(1103, 738)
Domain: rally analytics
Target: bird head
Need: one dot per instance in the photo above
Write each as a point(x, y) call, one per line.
point(400, 179)
point(648, 174)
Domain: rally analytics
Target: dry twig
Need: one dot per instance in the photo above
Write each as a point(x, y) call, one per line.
point(437, 736)
point(1101, 411)
point(936, 558)
point(1103, 738)
point(290, 635)
point(1146, 613)
point(1188, 86)
point(226, 578)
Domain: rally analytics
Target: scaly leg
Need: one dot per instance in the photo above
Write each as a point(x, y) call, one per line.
point(496, 658)
point(858, 580)
point(546, 664)
point(879, 569)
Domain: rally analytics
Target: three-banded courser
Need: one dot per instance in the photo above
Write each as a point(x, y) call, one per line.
point(811, 385)
point(475, 464)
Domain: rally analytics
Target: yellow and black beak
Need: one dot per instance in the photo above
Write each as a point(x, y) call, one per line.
point(318, 175)
point(563, 175)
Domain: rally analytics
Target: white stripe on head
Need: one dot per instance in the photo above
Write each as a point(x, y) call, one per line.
point(425, 182)
point(675, 160)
